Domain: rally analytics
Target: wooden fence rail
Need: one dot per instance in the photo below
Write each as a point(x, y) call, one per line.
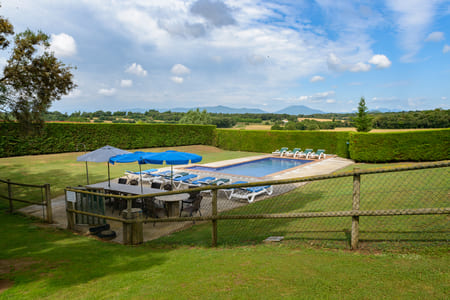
point(355, 213)
point(46, 199)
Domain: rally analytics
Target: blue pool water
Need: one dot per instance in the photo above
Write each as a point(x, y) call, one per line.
point(256, 168)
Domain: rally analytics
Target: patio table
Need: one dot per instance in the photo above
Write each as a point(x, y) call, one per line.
point(125, 188)
point(173, 202)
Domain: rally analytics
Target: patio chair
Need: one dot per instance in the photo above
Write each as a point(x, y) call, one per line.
point(250, 193)
point(320, 153)
point(191, 205)
point(218, 181)
point(154, 209)
point(293, 152)
point(280, 152)
point(304, 153)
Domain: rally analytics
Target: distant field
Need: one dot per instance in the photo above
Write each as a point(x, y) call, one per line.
point(375, 130)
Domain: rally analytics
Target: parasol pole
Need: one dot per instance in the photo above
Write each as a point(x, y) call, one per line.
point(140, 176)
point(87, 174)
point(109, 176)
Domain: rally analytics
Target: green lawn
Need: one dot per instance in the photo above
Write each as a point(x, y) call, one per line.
point(41, 262)
point(56, 264)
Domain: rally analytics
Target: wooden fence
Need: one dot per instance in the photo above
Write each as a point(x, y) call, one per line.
point(133, 223)
point(46, 202)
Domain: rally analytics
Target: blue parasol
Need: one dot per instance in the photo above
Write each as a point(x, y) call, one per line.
point(129, 158)
point(171, 157)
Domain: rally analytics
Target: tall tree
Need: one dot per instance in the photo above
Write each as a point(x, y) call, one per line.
point(363, 122)
point(33, 77)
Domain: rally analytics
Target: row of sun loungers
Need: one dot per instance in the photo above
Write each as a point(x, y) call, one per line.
point(188, 180)
point(298, 153)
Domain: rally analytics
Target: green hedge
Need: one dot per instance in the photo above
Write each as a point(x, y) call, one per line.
point(427, 145)
point(268, 141)
point(64, 137)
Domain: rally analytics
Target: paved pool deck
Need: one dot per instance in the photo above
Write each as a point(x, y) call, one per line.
point(152, 231)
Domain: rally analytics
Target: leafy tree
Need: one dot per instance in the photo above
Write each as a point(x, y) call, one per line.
point(196, 117)
point(33, 77)
point(362, 121)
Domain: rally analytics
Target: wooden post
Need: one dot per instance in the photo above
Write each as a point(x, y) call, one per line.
point(48, 203)
point(10, 196)
point(214, 220)
point(133, 233)
point(70, 215)
point(355, 206)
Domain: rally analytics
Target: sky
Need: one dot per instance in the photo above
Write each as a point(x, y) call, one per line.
point(324, 54)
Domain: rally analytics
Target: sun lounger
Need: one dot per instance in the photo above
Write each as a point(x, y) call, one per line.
point(202, 181)
point(304, 153)
point(177, 182)
point(320, 153)
point(280, 152)
point(250, 193)
point(293, 152)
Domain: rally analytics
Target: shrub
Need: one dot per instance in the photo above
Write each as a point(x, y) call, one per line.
point(58, 137)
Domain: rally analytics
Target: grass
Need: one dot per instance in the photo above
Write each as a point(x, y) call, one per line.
point(42, 262)
point(56, 264)
point(62, 170)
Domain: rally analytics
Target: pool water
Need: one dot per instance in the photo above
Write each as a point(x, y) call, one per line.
point(256, 168)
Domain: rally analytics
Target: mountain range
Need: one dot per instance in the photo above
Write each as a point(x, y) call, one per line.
point(220, 109)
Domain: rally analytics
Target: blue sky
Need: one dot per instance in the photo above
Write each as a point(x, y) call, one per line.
point(324, 54)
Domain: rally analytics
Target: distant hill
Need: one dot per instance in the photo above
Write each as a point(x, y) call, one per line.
point(299, 110)
point(384, 110)
point(218, 110)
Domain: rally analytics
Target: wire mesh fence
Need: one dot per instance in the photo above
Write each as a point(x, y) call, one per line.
point(293, 210)
point(407, 204)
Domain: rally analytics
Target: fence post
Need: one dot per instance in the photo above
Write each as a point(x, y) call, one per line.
point(10, 196)
point(48, 203)
point(214, 220)
point(355, 206)
point(70, 215)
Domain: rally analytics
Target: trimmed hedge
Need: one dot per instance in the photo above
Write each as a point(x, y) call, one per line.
point(64, 137)
point(427, 145)
point(268, 141)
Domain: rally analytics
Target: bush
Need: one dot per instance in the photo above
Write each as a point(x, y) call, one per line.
point(58, 137)
point(268, 141)
point(427, 145)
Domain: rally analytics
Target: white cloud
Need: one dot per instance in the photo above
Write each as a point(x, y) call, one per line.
point(318, 97)
point(126, 83)
point(180, 70)
point(107, 92)
point(177, 79)
point(63, 45)
point(335, 63)
point(446, 49)
point(436, 36)
point(359, 67)
point(413, 18)
point(381, 61)
point(136, 69)
point(444, 98)
point(317, 78)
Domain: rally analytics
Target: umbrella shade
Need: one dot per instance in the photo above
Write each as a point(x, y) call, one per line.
point(102, 154)
point(130, 157)
point(171, 157)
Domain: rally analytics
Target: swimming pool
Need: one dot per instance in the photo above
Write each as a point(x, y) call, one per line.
point(256, 168)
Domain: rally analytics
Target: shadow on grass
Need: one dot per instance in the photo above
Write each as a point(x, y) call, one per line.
point(65, 259)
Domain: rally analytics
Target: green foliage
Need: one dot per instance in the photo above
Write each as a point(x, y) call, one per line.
point(438, 118)
point(427, 145)
point(33, 77)
point(268, 141)
point(196, 117)
point(363, 122)
point(58, 137)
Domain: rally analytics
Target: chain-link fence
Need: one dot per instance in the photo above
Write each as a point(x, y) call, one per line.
point(410, 204)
